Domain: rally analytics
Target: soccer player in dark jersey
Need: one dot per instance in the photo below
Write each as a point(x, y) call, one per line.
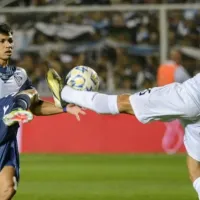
point(18, 102)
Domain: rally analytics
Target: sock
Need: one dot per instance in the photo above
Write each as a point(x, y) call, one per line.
point(196, 185)
point(21, 101)
point(100, 103)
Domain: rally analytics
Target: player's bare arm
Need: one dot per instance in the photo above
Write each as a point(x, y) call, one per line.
point(45, 108)
point(29, 100)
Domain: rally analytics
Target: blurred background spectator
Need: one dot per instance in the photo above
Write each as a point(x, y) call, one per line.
point(89, 2)
point(172, 70)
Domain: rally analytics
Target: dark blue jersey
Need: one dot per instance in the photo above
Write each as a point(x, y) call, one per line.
point(9, 155)
point(12, 80)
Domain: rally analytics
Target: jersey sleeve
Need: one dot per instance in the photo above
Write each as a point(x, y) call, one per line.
point(27, 82)
point(164, 104)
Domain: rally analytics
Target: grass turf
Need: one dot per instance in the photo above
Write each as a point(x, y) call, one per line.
point(104, 177)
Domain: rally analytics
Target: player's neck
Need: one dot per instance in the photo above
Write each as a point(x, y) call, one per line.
point(3, 63)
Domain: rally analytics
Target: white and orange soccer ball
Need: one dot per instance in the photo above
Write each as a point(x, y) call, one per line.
point(83, 78)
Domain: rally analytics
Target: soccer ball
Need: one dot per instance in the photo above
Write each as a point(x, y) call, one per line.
point(82, 78)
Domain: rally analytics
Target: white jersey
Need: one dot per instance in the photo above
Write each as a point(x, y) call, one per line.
point(173, 101)
point(169, 102)
point(12, 80)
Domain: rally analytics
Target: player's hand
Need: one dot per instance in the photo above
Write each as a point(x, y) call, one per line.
point(75, 110)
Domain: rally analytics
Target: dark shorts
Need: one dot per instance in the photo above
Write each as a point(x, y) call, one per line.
point(9, 154)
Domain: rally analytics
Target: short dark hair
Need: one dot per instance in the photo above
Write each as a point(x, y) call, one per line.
point(5, 29)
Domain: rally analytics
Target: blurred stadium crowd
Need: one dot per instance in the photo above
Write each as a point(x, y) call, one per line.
point(123, 47)
point(89, 2)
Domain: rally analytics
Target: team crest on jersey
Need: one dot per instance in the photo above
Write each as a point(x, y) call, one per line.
point(18, 79)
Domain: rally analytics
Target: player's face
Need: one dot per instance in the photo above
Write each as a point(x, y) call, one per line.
point(6, 46)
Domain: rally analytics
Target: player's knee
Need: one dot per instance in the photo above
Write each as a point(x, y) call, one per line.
point(10, 191)
point(123, 103)
point(7, 191)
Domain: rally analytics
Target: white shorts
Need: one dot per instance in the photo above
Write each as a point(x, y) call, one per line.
point(192, 140)
point(164, 104)
point(168, 103)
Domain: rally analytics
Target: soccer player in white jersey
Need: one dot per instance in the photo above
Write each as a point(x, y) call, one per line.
point(173, 101)
point(17, 96)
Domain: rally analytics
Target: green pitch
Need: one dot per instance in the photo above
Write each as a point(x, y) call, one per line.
point(104, 177)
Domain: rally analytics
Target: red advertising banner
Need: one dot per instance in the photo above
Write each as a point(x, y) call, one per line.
point(100, 134)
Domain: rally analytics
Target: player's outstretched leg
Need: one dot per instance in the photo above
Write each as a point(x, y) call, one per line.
point(21, 103)
point(98, 102)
